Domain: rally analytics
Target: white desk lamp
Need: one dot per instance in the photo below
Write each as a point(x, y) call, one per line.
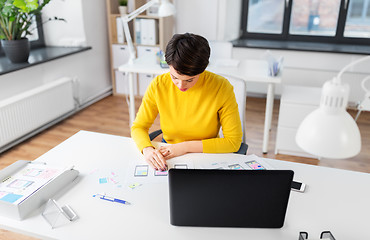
point(365, 103)
point(165, 9)
point(329, 131)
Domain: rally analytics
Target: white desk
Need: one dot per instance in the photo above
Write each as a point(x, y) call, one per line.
point(335, 200)
point(248, 70)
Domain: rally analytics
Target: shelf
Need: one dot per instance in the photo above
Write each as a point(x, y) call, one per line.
point(145, 45)
point(148, 17)
point(164, 27)
point(140, 16)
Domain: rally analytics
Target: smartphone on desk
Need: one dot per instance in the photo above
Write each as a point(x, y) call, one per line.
point(298, 186)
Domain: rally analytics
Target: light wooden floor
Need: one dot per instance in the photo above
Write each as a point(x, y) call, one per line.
point(110, 115)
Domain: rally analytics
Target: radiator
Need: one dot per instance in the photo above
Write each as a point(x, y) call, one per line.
point(24, 113)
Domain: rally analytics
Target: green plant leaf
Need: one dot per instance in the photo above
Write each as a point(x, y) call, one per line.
point(2, 2)
point(16, 17)
point(8, 9)
point(26, 5)
point(123, 2)
point(42, 5)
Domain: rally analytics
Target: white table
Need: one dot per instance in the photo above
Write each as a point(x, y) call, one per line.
point(335, 200)
point(248, 70)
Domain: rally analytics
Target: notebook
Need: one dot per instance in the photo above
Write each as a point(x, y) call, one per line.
point(229, 198)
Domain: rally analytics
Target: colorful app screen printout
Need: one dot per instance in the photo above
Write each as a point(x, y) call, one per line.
point(141, 170)
point(255, 165)
point(161, 173)
point(236, 167)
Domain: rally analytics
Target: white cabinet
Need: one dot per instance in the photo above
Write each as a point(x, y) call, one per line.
point(121, 83)
point(120, 55)
point(145, 79)
point(295, 104)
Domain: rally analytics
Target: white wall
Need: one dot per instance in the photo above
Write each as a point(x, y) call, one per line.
point(69, 33)
point(217, 20)
point(87, 20)
point(213, 19)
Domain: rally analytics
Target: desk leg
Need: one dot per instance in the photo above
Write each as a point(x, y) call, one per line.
point(268, 116)
point(132, 97)
point(271, 98)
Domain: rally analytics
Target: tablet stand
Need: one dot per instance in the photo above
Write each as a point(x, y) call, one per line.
point(58, 216)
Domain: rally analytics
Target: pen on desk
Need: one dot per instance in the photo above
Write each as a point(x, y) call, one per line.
point(111, 199)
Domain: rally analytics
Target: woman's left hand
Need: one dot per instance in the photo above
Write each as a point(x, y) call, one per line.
point(173, 150)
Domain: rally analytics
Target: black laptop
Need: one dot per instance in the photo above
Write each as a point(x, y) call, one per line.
point(229, 198)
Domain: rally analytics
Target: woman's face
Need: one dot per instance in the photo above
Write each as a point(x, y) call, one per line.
point(183, 82)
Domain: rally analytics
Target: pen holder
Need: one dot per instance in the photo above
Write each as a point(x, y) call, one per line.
point(161, 60)
point(58, 216)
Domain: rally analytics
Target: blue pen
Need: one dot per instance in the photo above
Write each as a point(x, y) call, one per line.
point(111, 199)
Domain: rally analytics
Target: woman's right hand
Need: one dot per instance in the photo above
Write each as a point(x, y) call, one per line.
point(154, 158)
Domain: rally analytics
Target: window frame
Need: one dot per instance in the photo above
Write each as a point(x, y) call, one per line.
point(41, 41)
point(338, 38)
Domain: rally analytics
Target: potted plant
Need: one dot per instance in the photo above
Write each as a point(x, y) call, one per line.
point(122, 7)
point(16, 17)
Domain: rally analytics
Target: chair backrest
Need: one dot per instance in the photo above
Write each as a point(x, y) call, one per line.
point(220, 50)
point(240, 91)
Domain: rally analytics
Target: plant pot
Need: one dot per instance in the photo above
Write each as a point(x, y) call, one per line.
point(122, 10)
point(17, 51)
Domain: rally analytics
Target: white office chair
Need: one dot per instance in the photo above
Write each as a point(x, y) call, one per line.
point(221, 54)
point(220, 50)
point(365, 104)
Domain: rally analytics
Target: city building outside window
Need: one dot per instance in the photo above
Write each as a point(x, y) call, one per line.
point(328, 21)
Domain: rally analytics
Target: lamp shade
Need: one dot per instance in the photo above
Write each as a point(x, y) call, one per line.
point(166, 9)
point(329, 131)
point(329, 136)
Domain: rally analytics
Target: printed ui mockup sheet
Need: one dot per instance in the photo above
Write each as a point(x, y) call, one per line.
point(25, 182)
point(247, 162)
point(140, 171)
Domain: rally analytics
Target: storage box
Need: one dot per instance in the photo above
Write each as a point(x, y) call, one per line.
point(10, 208)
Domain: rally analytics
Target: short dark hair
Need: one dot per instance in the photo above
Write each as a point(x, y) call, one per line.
point(188, 53)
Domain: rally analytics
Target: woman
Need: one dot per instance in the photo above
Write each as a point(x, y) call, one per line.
point(193, 104)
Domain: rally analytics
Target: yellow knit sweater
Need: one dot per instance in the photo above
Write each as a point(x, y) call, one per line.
point(196, 114)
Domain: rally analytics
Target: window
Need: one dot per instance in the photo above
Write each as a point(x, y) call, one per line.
point(325, 21)
point(358, 19)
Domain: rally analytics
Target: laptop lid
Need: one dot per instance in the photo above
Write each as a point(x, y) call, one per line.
point(229, 198)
